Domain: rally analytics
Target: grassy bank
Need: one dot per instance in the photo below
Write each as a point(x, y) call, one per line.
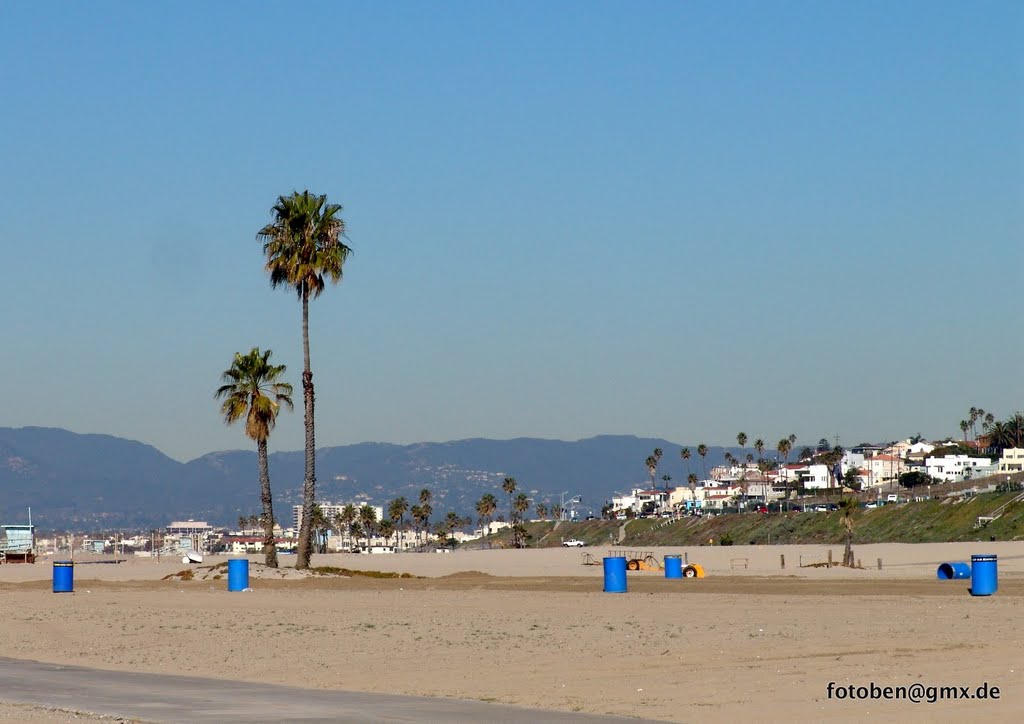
point(919, 522)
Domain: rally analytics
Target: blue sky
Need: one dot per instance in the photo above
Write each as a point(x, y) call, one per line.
point(669, 219)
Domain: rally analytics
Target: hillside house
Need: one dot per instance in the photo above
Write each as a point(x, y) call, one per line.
point(952, 468)
point(1012, 460)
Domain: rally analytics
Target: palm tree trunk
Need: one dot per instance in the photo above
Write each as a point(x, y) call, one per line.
point(848, 553)
point(269, 547)
point(309, 482)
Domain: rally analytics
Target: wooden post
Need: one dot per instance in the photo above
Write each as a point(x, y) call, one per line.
point(829, 557)
point(858, 563)
point(782, 561)
point(686, 557)
point(879, 564)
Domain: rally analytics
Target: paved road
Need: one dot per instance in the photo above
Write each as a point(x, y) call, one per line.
point(191, 699)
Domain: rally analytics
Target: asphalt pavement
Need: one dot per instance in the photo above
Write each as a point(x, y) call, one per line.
point(195, 700)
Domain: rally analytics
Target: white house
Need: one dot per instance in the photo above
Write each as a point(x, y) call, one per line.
point(638, 497)
point(852, 460)
point(955, 467)
point(920, 449)
point(816, 477)
point(1012, 460)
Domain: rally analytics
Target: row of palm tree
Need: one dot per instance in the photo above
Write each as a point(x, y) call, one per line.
point(304, 248)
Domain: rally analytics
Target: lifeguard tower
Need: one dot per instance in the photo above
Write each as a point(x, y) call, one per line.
point(18, 543)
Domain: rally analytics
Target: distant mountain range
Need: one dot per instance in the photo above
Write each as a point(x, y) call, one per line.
point(100, 482)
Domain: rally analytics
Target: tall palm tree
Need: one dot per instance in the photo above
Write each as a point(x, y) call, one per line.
point(964, 427)
point(741, 440)
point(692, 480)
point(485, 508)
point(652, 468)
point(355, 530)
point(652, 462)
point(349, 514)
point(303, 246)
point(702, 450)
point(453, 520)
point(685, 455)
point(252, 390)
point(1016, 426)
point(319, 524)
point(520, 506)
point(509, 486)
point(785, 446)
point(441, 533)
point(368, 521)
point(397, 509)
point(425, 508)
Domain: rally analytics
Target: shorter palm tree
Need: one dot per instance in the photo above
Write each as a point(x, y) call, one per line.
point(252, 390)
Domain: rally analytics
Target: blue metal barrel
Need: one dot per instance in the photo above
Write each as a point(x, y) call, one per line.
point(984, 576)
point(63, 577)
point(238, 574)
point(673, 566)
point(615, 574)
point(951, 571)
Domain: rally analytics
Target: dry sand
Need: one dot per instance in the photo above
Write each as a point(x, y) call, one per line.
point(751, 641)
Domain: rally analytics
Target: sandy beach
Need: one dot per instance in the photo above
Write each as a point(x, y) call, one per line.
point(533, 628)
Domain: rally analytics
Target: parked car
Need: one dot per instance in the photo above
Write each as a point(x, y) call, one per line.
point(892, 498)
point(573, 543)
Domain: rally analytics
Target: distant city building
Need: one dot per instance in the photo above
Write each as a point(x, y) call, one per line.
point(189, 527)
point(330, 510)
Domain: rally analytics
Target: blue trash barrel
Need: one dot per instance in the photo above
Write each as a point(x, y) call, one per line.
point(63, 577)
point(673, 566)
point(615, 574)
point(951, 571)
point(238, 574)
point(984, 576)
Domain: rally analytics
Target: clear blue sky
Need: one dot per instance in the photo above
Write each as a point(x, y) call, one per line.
point(669, 219)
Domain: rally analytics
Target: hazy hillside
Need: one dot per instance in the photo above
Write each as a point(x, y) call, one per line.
point(73, 480)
